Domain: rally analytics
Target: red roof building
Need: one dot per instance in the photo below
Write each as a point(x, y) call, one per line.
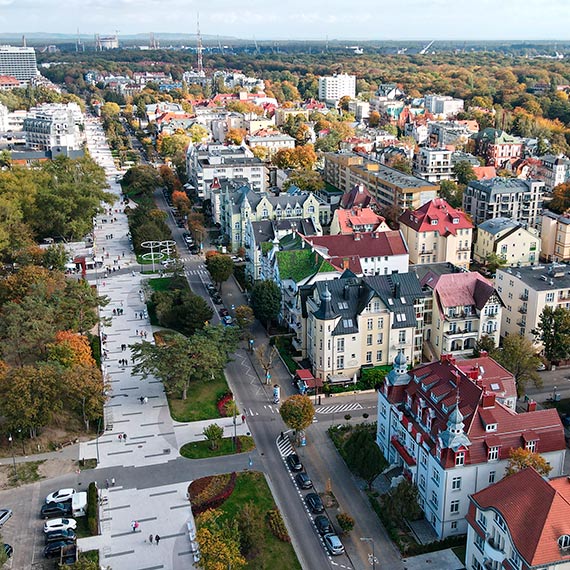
point(359, 197)
point(8, 82)
point(347, 222)
point(521, 522)
point(458, 435)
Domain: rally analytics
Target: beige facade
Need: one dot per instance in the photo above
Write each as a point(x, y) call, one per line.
point(507, 239)
point(555, 236)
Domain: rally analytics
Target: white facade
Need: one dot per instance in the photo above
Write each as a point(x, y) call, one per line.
point(19, 62)
point(54, 125)
point(443, 105)
point(3, 118)
point(334, 87)
point(433, 164)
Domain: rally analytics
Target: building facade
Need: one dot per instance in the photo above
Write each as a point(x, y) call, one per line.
point(356, 219)
point(433, 164)
point(555, 236)
point(19, 62)
point(443, 106)
point(335, 87)
point(553, 170)
point(497, 147)
point(54, 126)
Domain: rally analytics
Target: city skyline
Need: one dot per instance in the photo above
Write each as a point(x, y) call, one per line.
point(441, 19)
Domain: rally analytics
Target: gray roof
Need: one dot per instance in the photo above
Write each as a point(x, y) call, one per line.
point(496, 225)
point(498, 185)
point(548, 277)
point(560, 218)
point(262, 231)
point(437, 269)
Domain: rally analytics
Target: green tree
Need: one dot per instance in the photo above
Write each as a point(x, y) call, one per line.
point(81, 564)
point(198, 133)
point(306, 180)
point(464, 172)
point(402, 164)
point(244, 318)
point(518, 356)
point(485, 343)
point(494, 261)
point(520, 459)
point(345, 521)
point(364, 456)
point(221, 267)
point(266, 301)
point(451, 192)
point(554, 332)
point(403, 502)
point(214, 434)
point(250, 525)
point(141, 180)
point(297, 412)
point(110, 111)
point(181, 310)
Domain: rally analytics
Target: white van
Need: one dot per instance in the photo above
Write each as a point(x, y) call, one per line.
point(79, 504)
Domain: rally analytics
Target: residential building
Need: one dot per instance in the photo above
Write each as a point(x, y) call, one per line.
point(522, 522)
point(19, 62)
point(525, 291)
point(520, 200)
point(389, 186)
point(7, 82)
point(452, 437)
point(553, 170)
point(555, 235)
point(433, 164)
point(271, 140)
point(443, 106)
point(353, 322)
point(283, 113)
point(508, 239)
point(205, 162)
point(155, 110)
point(464, 307)
point(357, 219)
point(54, 126)
point(332, 88)
point(3, 118)
point(436, 233)
point(497, 147)
point(443, 133)
point(358, 197)
point(360, 109)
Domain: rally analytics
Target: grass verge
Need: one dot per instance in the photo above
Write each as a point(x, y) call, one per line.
point(202, 449)
point(201, 401)
point(26, 473)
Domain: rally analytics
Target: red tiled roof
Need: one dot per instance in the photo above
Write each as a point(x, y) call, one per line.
point(436, 215)
point(465, 289)
point(537, 513)
point(348, 219)
point(485, 172)
point(9, 80)
point(358, 196)
point(490, 374)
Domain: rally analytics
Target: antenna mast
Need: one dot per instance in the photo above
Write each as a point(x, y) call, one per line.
point(199, 48)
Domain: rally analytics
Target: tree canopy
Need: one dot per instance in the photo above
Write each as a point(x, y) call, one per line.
point(220, 266)
point(554, 332)
point(297, 412)
point(520, 458)
point(266, 300)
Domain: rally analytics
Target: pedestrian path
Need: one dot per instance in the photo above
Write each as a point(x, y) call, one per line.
point(339, 408)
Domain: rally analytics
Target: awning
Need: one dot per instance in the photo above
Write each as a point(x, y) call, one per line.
point(403, 452)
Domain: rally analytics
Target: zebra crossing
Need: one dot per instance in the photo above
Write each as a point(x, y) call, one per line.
point(202, 272)
point(271, 409)
point(339, 408)
point(284, 446)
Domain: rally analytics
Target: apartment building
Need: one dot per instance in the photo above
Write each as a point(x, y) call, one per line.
point(54, 126)
point(555, 236)
point(553, 170)
point(452, 438)
point(332, 88)
point(443, 133)
point(525, 291)
point(433, 164)
point(437, 233)
point(497, 147)
point(463, 307)
point(508, 239)
point(522, 522)
point(520, 200)
point(19, 62)
point(443, 106)
point(272, 141)
point(389, 186)
point(357, 219)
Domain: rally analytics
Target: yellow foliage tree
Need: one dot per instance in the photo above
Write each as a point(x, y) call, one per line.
point(520, 459)
point(71, 349)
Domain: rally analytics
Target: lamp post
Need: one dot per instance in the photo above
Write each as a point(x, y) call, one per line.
point(13, 456)
point(368, 539)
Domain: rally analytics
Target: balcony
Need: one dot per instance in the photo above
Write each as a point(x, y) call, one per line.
point(523, 296)
point(521, 323)
point(523, 309)
point(463, 248)
point(459, 332)
point(493, 551)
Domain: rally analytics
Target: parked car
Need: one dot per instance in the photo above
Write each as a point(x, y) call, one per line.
point(211, 288)
point(54, 510)
point(60, 496)
point(217, 299)
point(59, 524)
point(5, 514)
point(60, 534)
point(227, 320)
point(294, 462)
point(8, 550)
point(54, 548)
point(323, 525)
point(541, 367)
point(333, 544)
point(303, 480)
point(223, 312)
point(195, 250)
point(314, 503)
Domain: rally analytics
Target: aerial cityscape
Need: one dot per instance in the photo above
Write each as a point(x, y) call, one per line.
point(284, 289)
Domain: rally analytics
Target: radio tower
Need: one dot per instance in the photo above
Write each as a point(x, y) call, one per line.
point(199, 47)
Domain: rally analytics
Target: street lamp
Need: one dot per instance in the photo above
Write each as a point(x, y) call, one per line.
point(368, 539)
point(13, 456)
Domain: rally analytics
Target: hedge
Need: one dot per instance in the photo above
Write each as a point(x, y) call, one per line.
point(92, 509)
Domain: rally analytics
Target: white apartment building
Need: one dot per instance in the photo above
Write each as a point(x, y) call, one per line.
point(54, 125)
point(19, 62)
point(451, 437)
point(553, 170)
point(433, 164)
point(360, 109)
point(443, 106)
point(525, 291)
point(3, 118)
point(334, 87)
point(272, 141)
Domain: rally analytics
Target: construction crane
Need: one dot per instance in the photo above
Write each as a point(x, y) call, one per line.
point(425, 49)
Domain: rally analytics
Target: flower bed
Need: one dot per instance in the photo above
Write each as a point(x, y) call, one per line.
point(222, 402)
point(211, 492)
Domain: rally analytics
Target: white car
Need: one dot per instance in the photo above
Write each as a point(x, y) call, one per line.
point(59, 524)
point(60, 496)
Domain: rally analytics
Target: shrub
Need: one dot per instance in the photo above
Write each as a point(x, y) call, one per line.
point(222, 402)
point(92, 510)
point(345, 521)
point(277, 525)
point(213, 493)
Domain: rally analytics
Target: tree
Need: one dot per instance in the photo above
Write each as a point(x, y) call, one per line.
point(402, 164)
point(221, 267)
point(71, 349)
point(181, 202)
point(110, 111)
point(297, 412)
point(266, 301)
point(265, 355)
point(520, 459)
point(486, 343)
point(554, 332)
point(171, 145)
point(345, 521)
point(250, 525)
point(214, 434)
point(494, 261)
point(235, 136)
point(244, 318)
point(464, 172)
point(307, 180)
point(364, 456)
point(519, 357)
point(82, 564)
point(451, 192)
point(374, 119)
point(298, 157)
point(141, 180)
point(560, 198)
point(181, 310)
point(198, 133)
point(403, 502)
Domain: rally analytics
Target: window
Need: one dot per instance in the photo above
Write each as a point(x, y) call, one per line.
point(500, 522)
point(380, 322)
point(435, 475)
point(454, 507)
point(340, 345)
point(340, 362)
point(379, 338)
point(482, 520)
point(550, 297)
point(531, 446)
point(402, 336)
point(383, 410)
point(456, 483)
point(454, 525)
point(479, 543)
point(434, 498)
point(459, 458)
point(424, 459)
point(378, 356)
point(515, 560)
point(422, 482)
point(369, 358)
point(376, 309)
point(492, 476)
point(370, 324)
point(368, 340)
point(493, 453)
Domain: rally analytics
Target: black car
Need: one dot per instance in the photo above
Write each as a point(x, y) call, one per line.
point(211, 289)
point(294, 462)
point(54, 548)
point(303, 480)
point(223, 312)
point(217, 299)
point(8, 550)
point(314, 503)
point(323, 525)
point(195, 250)
point(60, 535)
point(55, 510)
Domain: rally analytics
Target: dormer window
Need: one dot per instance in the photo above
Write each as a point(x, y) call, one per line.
point(459, 458)
point(455, 220)
point(564, 541)
point(434, 222)
point(493, 454)
point(531, 446)
point(491, 427)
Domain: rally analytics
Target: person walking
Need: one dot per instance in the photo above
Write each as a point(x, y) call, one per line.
point(141, 400)
point(112, 481)
point(134, 525)
point(120, 437)
point(125, 437)
point(150, 538)
point(157, 539)
point(106, 483)
point(145, 400)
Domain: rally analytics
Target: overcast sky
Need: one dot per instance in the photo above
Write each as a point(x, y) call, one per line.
point(297, 19)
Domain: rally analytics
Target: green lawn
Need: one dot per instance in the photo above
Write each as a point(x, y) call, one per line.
point(274, 554)
point(202, 449)
point(160, 283)
point(201, 401)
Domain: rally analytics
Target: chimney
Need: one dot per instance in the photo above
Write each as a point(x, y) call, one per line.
point(488, 400)
point(483, 353)
point(531, 406)
point(360, 188)
point(397, 290)
point(473, 373)
point(345, 291)
point(345, 263)
point(356, 236)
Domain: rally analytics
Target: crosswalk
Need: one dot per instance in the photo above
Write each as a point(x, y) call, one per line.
point(266, 408)
point(284, 446)
point(338, 408)
point(202, 272)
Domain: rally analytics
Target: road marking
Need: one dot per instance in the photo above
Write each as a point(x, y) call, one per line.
point(339, 408)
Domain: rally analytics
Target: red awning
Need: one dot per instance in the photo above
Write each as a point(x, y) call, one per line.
point(403, 452)
point(309, 380)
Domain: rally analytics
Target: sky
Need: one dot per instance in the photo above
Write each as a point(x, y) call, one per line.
point(297, 19)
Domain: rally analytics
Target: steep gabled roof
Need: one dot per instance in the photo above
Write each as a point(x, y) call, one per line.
point(359, 196)
point(436, 216)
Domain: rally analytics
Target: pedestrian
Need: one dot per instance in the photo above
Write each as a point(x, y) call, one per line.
point(142, 400)
point(120, 437)
point(125, 437)
point(243, 418)
point(106, 483)
point(112, 481)
point(157, 539)
point(150, 538)
point(145, 400)
point(134, 525)
point(281, 435)
point(137, 331)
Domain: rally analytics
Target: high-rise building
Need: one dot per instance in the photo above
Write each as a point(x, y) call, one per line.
point(19, 62)
point(334, 87)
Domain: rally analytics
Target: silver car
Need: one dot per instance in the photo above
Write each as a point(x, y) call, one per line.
point(5, 514)
point(333, 544)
